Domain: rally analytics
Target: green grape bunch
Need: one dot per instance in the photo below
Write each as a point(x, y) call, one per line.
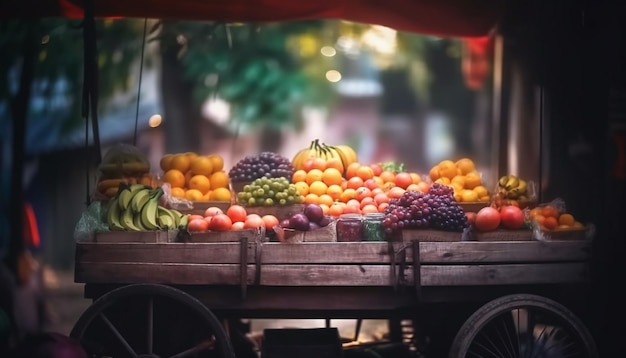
point(270, 191)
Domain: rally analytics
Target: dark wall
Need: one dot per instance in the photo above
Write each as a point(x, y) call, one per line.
point(576, 51)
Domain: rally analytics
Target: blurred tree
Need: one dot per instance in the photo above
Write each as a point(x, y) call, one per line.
point(57, 83)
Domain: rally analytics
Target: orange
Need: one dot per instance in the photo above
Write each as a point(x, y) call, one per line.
point(354, 183)
point(534, 212)
point(193, 195)
point(369, 208)
point(178, 192)
point(334, 163)
point(318, 188)
point(416, 178)
point(181, 162)
point(403, 180)
point(472, 180)
point(550, 211)
point(325, 208)
point(481, 191)
point(443, 180)
point(298, 176)
point(466, 165)
point(365, 172)
point(366, 201)
point(434, 173)
point(566, 219)
point(217, 161)
point(540, 219)
point(331, 176)
point(469, 196)
point(458, 180)
point(382, 207)
point(175, 178)
point(302, 187)
point(347, 194)
point(395, 192)
point(334, 191)
point(336, 209)
point(191, 155)
point(311, 198)
point(387, 176)
point(325, 199)
point(550, 223)
point(219, 179)
point(220, 194)
point(381, 198)
point(188, 176)
point(200, 182)
point(201, 165)
point(314, 175)
point(166, 162)
point(352, 169)
point(447, 169)
point(413, 187)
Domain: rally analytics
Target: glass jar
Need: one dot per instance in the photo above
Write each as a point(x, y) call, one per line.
point(350, 227)
point(373, 227)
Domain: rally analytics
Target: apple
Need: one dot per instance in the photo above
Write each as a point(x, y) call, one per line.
point(512, 217)
point(487, 219)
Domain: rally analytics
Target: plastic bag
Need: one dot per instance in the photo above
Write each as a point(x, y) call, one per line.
point(91, 220)
point(123, 160)
point(172, 202)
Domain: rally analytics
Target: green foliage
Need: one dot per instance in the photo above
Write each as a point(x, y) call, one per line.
point(257, 68)
point(58, 72)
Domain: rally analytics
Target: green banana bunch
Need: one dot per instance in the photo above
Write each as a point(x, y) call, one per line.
point(135, 208)
point(513, 187)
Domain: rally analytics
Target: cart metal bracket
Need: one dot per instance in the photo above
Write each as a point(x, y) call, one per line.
point(243, 265)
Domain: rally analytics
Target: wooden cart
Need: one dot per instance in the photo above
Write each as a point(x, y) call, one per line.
point(501, 298)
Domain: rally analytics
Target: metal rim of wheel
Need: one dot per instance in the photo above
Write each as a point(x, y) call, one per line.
point(523, 326)
point(110, 316)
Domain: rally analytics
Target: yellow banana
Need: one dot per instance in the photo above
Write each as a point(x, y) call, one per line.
point(149, 214)
point(113, 215)
point(503, 180)
point(513, 182)
point(128, 221)
point(522, 186)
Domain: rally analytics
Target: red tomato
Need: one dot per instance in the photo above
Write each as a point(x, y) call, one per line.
point(253, 221)
point(512, 217)
point(471, 217)
point(487, 219)
point(195, 225)
point(236, 213)
point(212, 211)
point(221, 222)
point(270, 221)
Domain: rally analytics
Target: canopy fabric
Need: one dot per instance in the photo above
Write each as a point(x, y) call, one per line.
point(455, 18)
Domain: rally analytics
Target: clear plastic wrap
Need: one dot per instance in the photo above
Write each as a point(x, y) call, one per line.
point(91, 220)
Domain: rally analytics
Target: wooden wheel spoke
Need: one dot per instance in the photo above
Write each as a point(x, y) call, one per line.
point(150, 328)
point(118, 335)
point(508, 344)
point(205, 345)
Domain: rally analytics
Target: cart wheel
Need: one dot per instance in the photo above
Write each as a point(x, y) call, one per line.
point(520, 326)
point(150, 321)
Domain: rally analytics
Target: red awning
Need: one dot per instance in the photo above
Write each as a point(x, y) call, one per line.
point(459, 18)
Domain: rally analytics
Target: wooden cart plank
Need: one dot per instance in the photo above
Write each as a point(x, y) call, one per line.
point(190, 253)
point(330, 275)
point(163, 273)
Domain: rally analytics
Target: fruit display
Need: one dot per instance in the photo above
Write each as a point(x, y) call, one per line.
point(136, 208)
point(264, 165)
point(122, 164)
point(550, 217)
point(489, 218)
point(268, 192)
point(435, 209)
point(340, 155)
point(234, 218)
point(512, 187)
point(462, 176)
point(196, 177)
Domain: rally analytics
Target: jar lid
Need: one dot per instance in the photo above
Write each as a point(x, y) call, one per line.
point(375, 216)
point(350, 216)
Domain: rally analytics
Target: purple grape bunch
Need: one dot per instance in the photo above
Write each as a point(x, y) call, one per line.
point(265, 164)
point(436, 209)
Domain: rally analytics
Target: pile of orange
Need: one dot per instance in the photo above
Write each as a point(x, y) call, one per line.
point(196, 177)
point(364, 188)
point(548, 217)
point(463, 178)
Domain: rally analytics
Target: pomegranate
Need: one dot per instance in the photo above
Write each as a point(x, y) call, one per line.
point(512, 217)
point(487, 219)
